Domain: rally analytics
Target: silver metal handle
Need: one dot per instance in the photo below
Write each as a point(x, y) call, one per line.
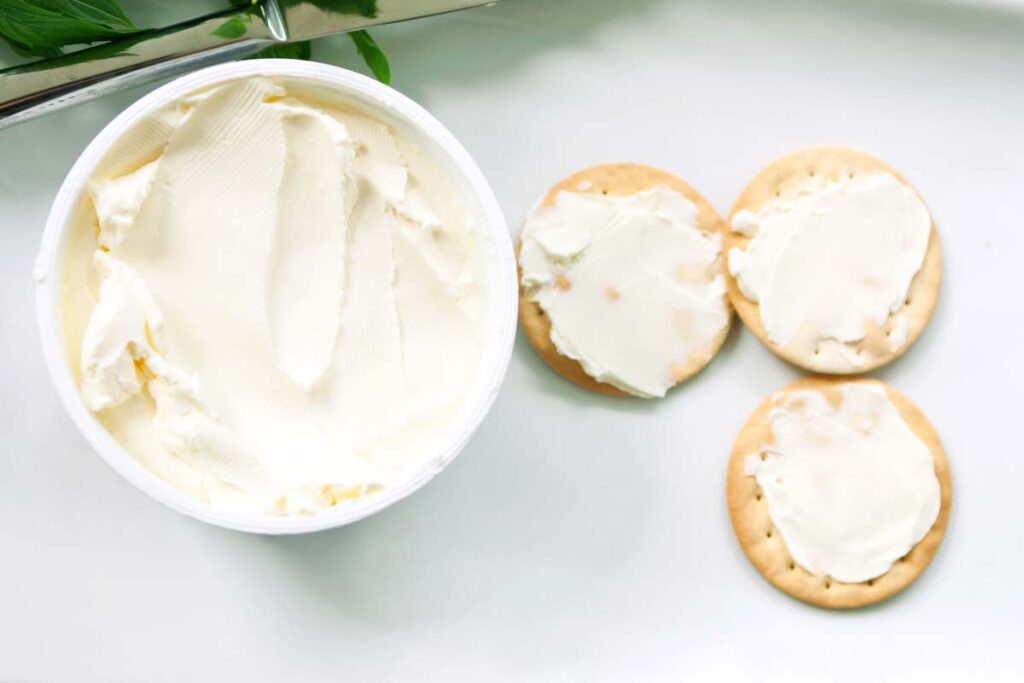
point(40, 87)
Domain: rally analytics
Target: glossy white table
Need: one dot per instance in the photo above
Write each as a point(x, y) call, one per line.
point(577, 537)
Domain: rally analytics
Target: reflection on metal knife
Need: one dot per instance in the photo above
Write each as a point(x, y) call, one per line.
point(39, 87)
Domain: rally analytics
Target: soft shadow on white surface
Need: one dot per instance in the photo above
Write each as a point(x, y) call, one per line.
point(577, 537)
point(532, 492)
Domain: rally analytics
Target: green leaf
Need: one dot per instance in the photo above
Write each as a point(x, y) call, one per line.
point(100, 51)
point(372, 55)
point(25, 51)
point(40, 27)
point(301, 50)
point(235, 27)
point(102, 11)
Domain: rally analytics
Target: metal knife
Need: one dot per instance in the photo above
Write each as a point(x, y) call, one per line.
point(50, 84)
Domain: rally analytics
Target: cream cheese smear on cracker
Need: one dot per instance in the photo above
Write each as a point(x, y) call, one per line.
point(832, 259)
point(848, 483)
point(275, 303)
point(633, 288)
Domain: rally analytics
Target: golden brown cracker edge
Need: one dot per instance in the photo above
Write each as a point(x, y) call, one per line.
point(620, 179)
point(763, 543)
point(788, 174)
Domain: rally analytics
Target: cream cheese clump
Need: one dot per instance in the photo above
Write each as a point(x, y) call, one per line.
point(830, 259)
point(850, 487)
point(291, 301)
point(633, 289)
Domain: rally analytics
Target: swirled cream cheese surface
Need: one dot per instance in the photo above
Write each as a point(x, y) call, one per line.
point(849, 485)
point(831, 259)
point(633, 289)
point(274, 303)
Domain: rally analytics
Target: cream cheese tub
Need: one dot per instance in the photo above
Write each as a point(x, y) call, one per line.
point(276, 296)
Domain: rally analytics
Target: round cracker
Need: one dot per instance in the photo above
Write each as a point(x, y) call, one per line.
point(763, 543)
point(616, 180)
point(785, 177)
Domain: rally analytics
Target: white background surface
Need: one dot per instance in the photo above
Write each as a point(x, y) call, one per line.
point(577, 537)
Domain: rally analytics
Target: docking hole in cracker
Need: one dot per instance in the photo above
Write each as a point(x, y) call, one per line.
point(622, 284)
point(839, 491)
point(833, 261)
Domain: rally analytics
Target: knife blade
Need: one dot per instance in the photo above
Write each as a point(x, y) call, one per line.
point(47, 85)
point(307, 19)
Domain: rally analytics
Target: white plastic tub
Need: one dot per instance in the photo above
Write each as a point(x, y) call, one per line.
point(420, 127)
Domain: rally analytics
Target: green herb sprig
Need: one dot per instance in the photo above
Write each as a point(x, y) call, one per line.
point(40, 28)
point(44, 28)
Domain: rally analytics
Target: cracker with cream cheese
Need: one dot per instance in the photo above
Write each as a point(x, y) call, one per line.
point(876, 339)
point(763, 542)
point(625, 180)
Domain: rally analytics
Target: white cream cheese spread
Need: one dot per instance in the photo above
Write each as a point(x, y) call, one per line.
point(830, 259)
point(850, 487)
point(288, 299)
point(633, 289)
